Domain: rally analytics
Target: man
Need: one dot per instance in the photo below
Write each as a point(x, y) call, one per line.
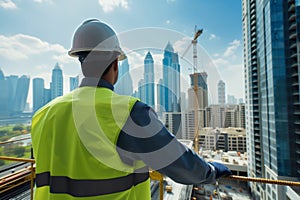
point(95, 144)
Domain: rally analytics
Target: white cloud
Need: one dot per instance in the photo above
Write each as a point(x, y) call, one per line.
point(212, 36)
point(43, 1)
point(8, 4)
point(232, 48)
point(171, 1)
point(182, 45)
point(18, 47)
point(168, 21)
point(220, 61)
point(110, 5)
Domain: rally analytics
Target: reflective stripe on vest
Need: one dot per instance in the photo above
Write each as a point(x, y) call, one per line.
point(86, 188)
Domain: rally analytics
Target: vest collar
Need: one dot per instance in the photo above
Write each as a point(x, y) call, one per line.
point(96, 82)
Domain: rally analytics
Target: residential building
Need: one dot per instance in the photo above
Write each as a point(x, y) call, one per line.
point(14, 92)
point(221, 93)
point(172, 121)
point(124, 85)
point(231, 100)
point(226, 139)
point(271, 64)
point(74, 83)
point(202, 94)
point(38, 99)
point(56, 85)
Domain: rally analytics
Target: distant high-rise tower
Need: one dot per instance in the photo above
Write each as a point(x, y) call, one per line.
point(149, 79)
point(21, 94)
point(231, 100)
point(38, 93)
point(171, 80)
point(74, 82)
point(271, 59)
point(14, 91)
point(124, 85)
point(221, 93)
point(56, 85)
point(202, 91)
point(2, 77)
point(141, 94)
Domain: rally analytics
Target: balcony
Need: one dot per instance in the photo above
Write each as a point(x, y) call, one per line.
point(293, 26)
point(292, 8)
point(293, 45)
point(252, 11)
point(295, 74)
point(293, 35)
point(294, 55)
point(292, 17)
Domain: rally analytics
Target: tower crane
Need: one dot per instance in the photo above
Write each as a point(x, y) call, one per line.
point(197, 33)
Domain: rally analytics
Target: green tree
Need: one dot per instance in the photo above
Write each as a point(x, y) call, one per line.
point(19, 151)
point(3, 132)
point(18, 127)
point(2, 162)
point(8, 150)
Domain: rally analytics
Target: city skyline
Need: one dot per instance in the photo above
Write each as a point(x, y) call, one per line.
point(20, 43)
point(125, 77)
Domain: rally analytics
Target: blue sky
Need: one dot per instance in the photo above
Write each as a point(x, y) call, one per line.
point(35, 34)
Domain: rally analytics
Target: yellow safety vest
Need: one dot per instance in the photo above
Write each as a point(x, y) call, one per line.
point(74, 142)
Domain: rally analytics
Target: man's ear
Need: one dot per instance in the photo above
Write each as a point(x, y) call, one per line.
point(115, 64)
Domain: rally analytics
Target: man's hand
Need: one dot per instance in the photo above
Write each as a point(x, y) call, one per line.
point(221, 169)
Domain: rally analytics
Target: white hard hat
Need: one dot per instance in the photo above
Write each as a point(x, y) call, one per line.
point(93, 35)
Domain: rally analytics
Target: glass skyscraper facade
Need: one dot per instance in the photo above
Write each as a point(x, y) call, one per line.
point(170, 101)
point(74, 82)
point(124, 85)
point(149, 79)
point(56, 85)
point(14, 92)
point(21, 94)
point(38, 99)
point(221, 93)
point(271, 58)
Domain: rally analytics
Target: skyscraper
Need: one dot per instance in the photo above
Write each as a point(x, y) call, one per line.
point(141, 90)
point(5, 96)
point(231, 100)
point(14, 91)
point(271, 42)
point(38, 99)
point(202, 91)
point(221, 93)
point(21, 94)
point(56, 85)
point(171, 80)
point(124, 85)
point(74, 81)
point(149, 79)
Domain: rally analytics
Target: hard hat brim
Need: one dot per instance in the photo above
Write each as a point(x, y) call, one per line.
point(74, 53)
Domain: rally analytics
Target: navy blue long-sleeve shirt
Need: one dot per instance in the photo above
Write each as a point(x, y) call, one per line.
point(145, 138)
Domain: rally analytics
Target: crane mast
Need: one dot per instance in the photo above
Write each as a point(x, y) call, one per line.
point(195, 60)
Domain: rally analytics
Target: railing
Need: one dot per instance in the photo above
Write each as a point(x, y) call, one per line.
point(154, 175)
point(22, 176)
point(9, 182)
